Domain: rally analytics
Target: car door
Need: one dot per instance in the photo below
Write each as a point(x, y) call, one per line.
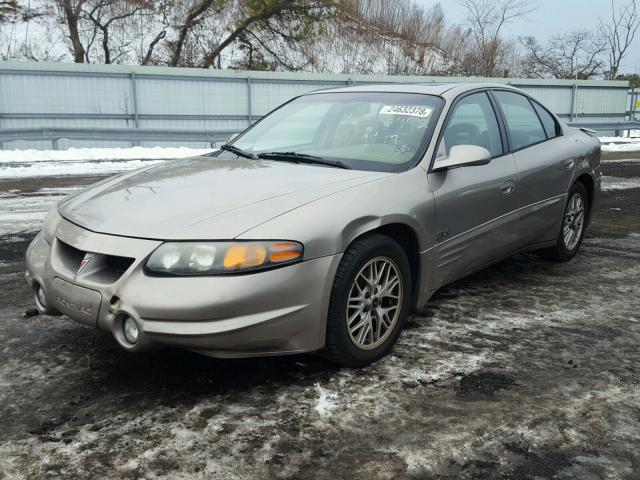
point(475, 216)
point(545, 164)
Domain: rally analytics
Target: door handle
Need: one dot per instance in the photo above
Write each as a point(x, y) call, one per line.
point(569, 164)
point(507, 187)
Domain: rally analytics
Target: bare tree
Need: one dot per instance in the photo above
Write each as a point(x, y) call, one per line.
point(105, 15)
point(486, 20)
point(577, 54)
point(109, 31)
point(619, 34)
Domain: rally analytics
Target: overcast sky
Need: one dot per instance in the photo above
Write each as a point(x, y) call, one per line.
point(551, 17)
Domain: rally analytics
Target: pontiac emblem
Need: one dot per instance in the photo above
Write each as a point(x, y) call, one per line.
point(85, 261)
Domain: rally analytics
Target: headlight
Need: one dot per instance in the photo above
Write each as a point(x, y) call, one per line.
point(215, 258)
point(50, 224)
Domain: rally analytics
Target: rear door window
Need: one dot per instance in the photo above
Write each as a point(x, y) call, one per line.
point(523, 124)
point(548, 122)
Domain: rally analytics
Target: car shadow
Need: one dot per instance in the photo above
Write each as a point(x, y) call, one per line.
point(88, 377)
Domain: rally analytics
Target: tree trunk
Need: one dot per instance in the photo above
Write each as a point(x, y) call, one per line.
point(71, 15)
point(105, 46)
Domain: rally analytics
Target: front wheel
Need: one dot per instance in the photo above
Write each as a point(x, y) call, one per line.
point(369, 301)
point(574, 222)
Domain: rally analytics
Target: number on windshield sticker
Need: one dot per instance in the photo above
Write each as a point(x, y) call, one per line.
point(414, 111)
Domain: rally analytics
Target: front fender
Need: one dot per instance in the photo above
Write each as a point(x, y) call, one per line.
point(328, 225)
point(359, 226)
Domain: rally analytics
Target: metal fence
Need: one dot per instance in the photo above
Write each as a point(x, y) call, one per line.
point(634, 103)
point(62, 105)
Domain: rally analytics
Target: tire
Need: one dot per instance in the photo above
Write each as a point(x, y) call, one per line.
point(371, 255)
point(567, 245)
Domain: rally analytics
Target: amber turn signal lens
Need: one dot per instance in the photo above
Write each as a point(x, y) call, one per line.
point(284, 252)
point(244, 256)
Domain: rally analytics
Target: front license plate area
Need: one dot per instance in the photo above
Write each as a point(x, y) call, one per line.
point(79, 303)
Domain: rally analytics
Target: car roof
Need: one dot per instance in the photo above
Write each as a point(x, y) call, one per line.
point(443, 89)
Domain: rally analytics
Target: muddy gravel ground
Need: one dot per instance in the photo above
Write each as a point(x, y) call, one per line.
point(526, 370)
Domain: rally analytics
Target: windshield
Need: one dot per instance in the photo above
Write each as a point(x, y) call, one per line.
point(364, 131)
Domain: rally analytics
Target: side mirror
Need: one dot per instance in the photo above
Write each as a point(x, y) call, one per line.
point(464, 156)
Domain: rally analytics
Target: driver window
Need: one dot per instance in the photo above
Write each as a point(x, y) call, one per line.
point(473, 122)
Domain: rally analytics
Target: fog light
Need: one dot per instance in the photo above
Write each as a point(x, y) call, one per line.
point(41, 299)
point(130, 330)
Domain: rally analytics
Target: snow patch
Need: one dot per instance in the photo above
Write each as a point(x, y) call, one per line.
point(627, 147)
point(86, 161)
point(86, 154)
point(24, 213)
point(326, 401)
point(184, 438)
point(605, 139)
point(619, 183)
point(621, 160)
point(620, 144)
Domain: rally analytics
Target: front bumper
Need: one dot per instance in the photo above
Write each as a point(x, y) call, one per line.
point(281, 311)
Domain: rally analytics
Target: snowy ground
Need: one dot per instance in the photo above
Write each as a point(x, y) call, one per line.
point(85, 161)
point(525, 371)
point(22, 212)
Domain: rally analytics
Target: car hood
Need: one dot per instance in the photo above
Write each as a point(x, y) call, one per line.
point(203, 197)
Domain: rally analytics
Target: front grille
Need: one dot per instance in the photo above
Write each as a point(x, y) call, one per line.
point(101, 268)
point(118, 264)
point(69, 256)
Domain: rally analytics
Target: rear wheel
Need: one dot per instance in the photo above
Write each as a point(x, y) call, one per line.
point(369, 301)
point(573, 226)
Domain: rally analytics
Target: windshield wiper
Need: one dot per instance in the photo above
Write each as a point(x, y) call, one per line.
point(238, 151)
point(302, 158)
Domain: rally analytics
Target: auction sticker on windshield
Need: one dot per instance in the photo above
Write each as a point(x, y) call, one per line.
point(412, 110)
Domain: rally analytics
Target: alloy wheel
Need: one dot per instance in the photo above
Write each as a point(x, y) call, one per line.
point(374, 303)
point(573, 221)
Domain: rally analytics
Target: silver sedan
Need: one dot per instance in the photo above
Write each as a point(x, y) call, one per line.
point(319, 228)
